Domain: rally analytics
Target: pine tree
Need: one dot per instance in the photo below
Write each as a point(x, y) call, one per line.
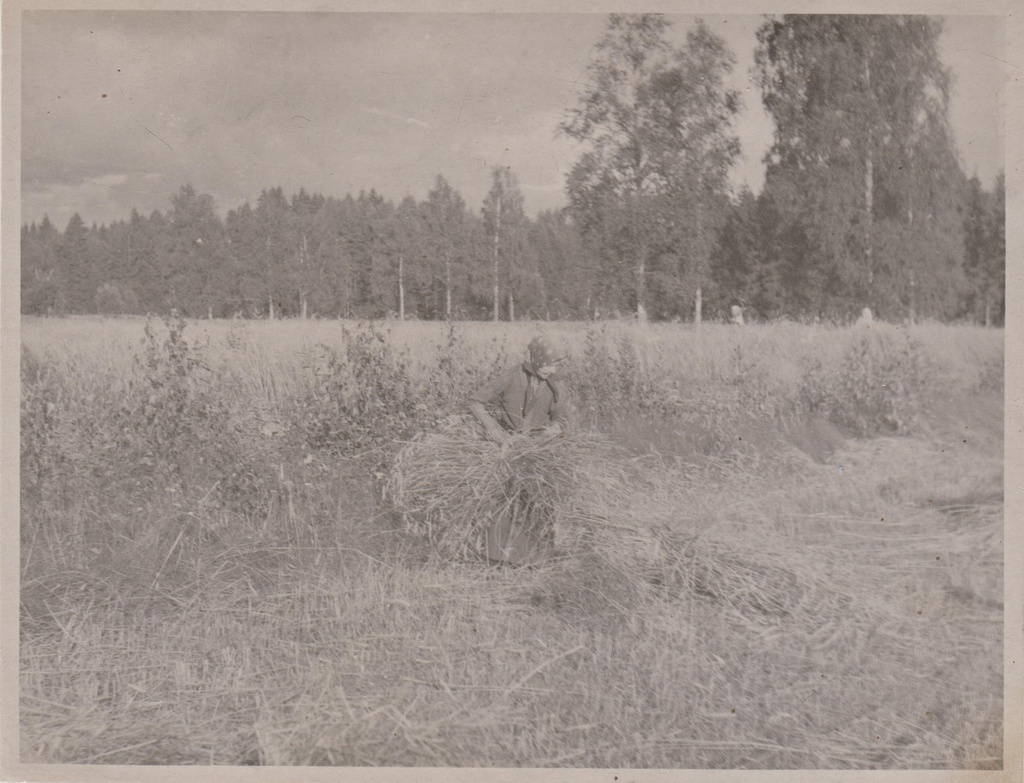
point(41, 279)
point(198, 254)
point(447, 248)
point(78, 283)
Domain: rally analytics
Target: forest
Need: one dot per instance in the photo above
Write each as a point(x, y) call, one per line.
point(866, 203)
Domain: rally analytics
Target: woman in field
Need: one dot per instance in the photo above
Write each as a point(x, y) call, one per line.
point(528, 398)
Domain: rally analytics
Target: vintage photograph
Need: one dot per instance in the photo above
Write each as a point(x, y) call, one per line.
point(510, 390)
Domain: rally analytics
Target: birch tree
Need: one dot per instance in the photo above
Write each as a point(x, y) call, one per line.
point(504, 222)
point(863, 162)
point(650, 186)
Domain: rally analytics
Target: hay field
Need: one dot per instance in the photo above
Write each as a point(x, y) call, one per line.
point(211, 572)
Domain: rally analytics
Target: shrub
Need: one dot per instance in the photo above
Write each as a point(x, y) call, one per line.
point(165, 427)
point(612, 380)
point(41, 453)
point(459, 371)
point(364, 398)
point(878, 387)
point(175, 421)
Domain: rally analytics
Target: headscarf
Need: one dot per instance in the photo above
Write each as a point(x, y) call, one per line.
point(543, 352)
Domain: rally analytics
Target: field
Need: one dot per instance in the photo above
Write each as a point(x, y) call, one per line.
point(210, 574)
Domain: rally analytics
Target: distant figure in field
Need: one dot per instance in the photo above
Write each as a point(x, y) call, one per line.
point(528, 398)
point(736, 315)
point(866, 318)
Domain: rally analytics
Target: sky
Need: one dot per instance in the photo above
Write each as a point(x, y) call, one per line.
point(120, 109)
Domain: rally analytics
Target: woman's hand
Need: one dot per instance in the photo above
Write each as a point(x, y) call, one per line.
point(494, 432)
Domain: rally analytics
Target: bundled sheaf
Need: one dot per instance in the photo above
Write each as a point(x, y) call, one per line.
point(451, 484)
point(580, 491)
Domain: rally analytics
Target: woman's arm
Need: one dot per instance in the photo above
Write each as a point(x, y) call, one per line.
point(492, 429)
point(562, 412)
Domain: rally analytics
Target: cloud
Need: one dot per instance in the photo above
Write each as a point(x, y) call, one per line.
point(99, 201)
point(122, 109)
point(381, 113)
point(109, 180)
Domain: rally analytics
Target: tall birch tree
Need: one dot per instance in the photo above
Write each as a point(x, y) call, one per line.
point(863, 164)
point(649, 190)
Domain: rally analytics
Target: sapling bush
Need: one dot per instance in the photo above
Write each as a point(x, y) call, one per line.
point(364, 398)
point(879, 385)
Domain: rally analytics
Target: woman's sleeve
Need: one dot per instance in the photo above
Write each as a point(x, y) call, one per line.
point(562, 410)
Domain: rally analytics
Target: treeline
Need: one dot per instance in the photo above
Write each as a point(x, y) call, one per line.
point(865, 204)
point(310, 255)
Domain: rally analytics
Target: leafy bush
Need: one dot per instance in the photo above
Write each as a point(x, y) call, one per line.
point(165, 427)
point(878, 387)
point(613, 380)
point(41, 454)
point(175, 423)
point(364, 398)
point(458, 371)
point(766, 383)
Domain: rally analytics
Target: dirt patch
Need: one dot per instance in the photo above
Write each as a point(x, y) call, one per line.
point(816, 436)
point(974, 419)
point(646, 436)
